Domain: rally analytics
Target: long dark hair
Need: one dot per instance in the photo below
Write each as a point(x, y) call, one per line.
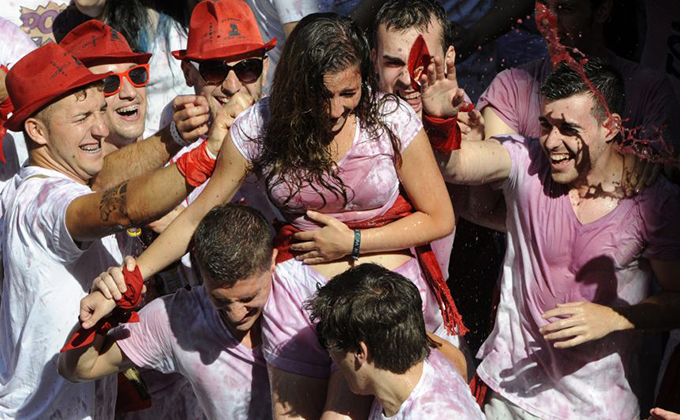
point(296, 138)
point(131, 18)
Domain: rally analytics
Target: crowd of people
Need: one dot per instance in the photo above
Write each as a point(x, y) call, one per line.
point(229, 209)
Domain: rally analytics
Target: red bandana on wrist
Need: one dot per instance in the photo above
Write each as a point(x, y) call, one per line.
point(123, 313)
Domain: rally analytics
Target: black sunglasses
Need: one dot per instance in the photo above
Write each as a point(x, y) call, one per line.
point(214, 72)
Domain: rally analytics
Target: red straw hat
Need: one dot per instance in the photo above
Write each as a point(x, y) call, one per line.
point(94, 43)
point(42, 76)
point(223, 29)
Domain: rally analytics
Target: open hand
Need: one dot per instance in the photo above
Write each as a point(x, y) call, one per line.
point(191, 116)
point(225, 118)
point(440, 94)
point(329, 243)
point(585, 322)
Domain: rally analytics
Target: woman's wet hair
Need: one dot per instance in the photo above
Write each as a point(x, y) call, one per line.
point(296, 139)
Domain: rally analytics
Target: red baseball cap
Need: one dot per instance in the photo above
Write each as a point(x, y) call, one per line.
point(42, 76)
point(94, 43)
point(225, 30)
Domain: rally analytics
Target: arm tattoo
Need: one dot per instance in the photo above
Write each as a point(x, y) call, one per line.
point(112, 201)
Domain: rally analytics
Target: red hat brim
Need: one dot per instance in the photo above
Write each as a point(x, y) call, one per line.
point(117, 58)
point(16, 121)
point(229, 53)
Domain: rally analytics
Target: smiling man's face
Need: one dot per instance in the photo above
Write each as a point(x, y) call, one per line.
point(126, 109)
point(390, 58)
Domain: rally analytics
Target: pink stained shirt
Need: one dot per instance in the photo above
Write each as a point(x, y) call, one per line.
point(650, 100)
point(441, 393)
point(368, 169)
point(553, 258)
point(184, 333)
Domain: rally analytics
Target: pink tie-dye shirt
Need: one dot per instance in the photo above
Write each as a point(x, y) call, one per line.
point(553, 258)
point(184, 333)
point(441, 393)
point(367, 170)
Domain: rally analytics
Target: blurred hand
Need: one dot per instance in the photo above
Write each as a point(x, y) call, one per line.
point(440, 94)
point(225, 118)
point(638, 174)
point(471, 125)
point(191, 116)
point(661, 414)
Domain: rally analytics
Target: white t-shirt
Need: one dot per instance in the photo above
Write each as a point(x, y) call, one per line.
point(166, 79)
point(441, 393)
point(184, 333)
point(553, 258)
point(46, 274)
point(14, 47)
point(271, 15)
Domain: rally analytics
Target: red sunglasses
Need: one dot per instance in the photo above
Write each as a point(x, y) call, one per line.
point(138, 76)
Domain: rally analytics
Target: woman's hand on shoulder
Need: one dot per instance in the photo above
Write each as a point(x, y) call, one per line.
point(329, 243)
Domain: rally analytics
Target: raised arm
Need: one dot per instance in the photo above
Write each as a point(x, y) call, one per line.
point(174, 242)
point(476, 163)
point(434, 217)
point(136, 159)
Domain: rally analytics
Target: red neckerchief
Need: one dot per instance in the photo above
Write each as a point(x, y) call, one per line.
point(426, 258)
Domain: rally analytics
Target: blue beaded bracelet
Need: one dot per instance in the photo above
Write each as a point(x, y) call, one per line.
point(357, 244)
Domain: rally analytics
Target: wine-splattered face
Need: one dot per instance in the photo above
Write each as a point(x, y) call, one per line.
point(574, 140)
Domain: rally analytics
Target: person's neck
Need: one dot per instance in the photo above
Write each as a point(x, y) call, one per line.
point(604, 177)
point(40, 157)
point(250, 338)
point(119, 141)
point(393, 389)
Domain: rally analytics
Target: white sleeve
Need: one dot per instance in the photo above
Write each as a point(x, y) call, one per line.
point(15, 43)
point(294, 10)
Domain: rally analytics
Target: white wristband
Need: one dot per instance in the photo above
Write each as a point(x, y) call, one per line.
point(207, 150)
point(176, 137)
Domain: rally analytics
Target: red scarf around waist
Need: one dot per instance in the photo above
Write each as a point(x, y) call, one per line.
point(426, 258)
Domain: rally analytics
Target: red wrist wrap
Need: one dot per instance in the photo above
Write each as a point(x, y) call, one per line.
point(6, 108)
point(122, 314)
point(196, 166)
point(444, 133)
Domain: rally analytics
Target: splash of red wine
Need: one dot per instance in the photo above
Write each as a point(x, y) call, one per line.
point(653, 148)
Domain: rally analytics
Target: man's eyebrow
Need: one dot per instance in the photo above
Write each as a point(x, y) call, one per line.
point(571, 125)
point(393, 59)
point(248, 298)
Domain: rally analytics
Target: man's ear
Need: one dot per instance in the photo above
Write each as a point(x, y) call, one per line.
point(190, 73)
point(612, 125)
point(450, 54)
point(361, 354)
point(36, 130)
point(275, 253)
point(265, 70)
